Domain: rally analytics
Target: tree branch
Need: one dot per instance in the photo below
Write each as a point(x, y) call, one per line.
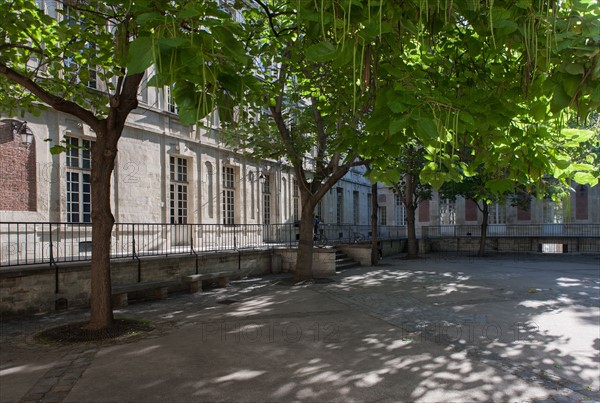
point(5, 46)
point(58, 103)
point(281, 82)
point(271, 15)
point(277, 114)
point(321, 134)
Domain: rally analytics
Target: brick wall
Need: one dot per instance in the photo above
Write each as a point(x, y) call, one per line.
point(18, 190)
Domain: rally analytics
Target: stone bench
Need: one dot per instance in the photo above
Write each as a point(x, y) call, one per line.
point(194, 281)
point(160, 288)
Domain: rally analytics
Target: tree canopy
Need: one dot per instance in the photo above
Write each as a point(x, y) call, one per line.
point(88, 59)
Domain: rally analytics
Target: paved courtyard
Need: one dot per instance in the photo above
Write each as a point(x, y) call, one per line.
point(435, 329)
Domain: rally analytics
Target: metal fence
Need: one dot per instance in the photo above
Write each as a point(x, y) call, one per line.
point(33, 243)
point(513, 230)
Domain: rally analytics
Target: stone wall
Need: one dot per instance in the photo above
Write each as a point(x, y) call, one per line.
point(508, 244)
point(32, 289)
point(323, 261)
point(361, 253)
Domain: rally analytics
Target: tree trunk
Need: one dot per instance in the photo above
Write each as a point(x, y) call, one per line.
point(412, 245)
point(411, 207)
point(374, 242)
point(103, 162)
point(304, 258)
point(484, 225)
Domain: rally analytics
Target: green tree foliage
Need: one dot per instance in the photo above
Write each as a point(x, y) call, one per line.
point(49, 60)
point(303, 107)
point(498, 73)
point(411, 190)
point(375, 75)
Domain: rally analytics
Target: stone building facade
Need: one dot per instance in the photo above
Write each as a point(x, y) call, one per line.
point(170, 173)
point(165, 173)
point(581, 207)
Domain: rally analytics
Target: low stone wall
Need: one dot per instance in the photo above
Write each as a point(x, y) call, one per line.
point(41, 288)
point(361, 253)
point(323, 261)
point(31, 289)
point(510, 244)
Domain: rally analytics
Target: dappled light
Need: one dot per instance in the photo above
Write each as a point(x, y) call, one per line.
point(567, 282)
point(240, 375)
point(146, 350)
point(420, 331)
point(252, 307)
point(23, 369)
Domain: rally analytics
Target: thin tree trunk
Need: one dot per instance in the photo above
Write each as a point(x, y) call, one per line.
point(484, 226)
point(412, 245)
point(374, 242)
point(409, 203)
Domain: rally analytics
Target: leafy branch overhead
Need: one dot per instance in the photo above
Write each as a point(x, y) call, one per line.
point(451, 73)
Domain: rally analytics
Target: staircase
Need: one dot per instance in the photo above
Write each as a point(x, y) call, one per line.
point(343, 261)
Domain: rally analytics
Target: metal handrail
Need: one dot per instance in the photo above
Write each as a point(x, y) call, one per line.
point(26, 243)
point(554, 230)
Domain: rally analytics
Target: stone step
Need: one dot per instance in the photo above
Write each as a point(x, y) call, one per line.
point(345, 266)
point(343, 261)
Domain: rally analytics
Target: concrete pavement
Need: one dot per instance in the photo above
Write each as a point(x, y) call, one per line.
point(435, 329)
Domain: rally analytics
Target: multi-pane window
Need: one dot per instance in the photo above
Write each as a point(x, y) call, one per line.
point(369, 207)
point(92, 74)
point(78, 73)
point(552, 212)
point(284, 198)
point(228, 196)
point(79, 194)
point(383, 215)
point(497, 214)
point(210, 191)
point(400, 213)
point(355, 207)
point(211, 121)
point(296, 201)
point(266, 192)
point(142, 95)
point(252, 195)
point(340, 206)
point(447, 212)
point(320, 210)
point(170, 100)
point(178, 190)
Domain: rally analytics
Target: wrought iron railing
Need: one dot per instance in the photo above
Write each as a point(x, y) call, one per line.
point(24, 243)
point(513, 230)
